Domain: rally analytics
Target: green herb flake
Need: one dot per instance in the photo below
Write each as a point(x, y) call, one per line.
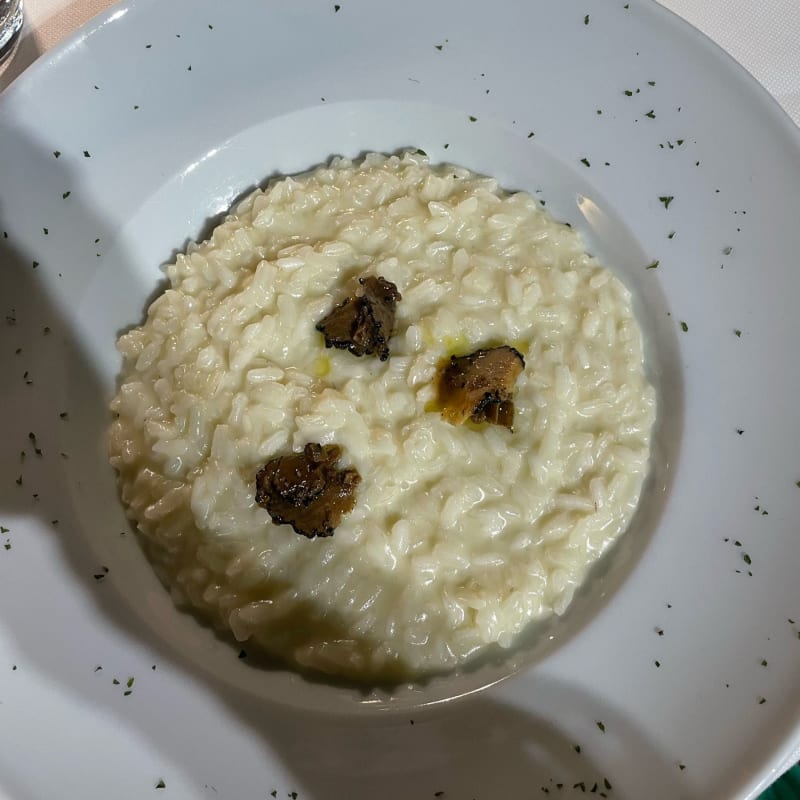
point(336, 8)
point(726, 251)
point(577, 748)
point(653, 265)
point(651, 114)
point(242, 654)
point(626, 6)
point(657, 663)
point(531, 134)
point(3, 529)
point(273, 793)
point(87, 154)
point(46, 231)
point(7, 545)
point(651, 83)
point(161, 784)
point(127, 693)
point(762, 700)
point(211, 27)
point(147, 46)
point(447, 144)
point(115, 682)
point(439, 47)
point(628, 93)
point(189, 68)
point(65, 195)
point(671, 235)
point(129, 682)
point(746, 558)
point(586, 20)
point(679, 142)
point(585, 162)
point(473, 119)
point(737, 333)
point(601, 726)
point(607, 784)
point(684, 327)
point(666, 200)
point(599, 111)
point(136, 108)
point(57, 153)
point(763, 662)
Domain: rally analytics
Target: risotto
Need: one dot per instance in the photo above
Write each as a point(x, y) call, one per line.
point(459, 535)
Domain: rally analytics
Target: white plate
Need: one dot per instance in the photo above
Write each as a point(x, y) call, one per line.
point(163, 113)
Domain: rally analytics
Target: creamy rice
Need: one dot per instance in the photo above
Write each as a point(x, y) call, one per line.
point(460, 535)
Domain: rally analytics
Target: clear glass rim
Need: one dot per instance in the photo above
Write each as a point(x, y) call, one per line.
point(11, 20)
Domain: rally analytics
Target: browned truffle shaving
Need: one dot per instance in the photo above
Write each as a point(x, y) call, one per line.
point(306, 491)
point(480, 386)
point(363, 324)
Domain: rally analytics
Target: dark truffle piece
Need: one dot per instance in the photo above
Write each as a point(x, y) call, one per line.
point(480, 386)
point(306, 491)
point(363, 324)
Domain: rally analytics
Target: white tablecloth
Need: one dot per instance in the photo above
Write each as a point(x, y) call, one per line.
point(762, 36)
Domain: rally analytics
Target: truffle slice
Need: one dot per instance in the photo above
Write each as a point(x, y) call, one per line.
point(306, 491)
point(480, 386)
point(363, 324)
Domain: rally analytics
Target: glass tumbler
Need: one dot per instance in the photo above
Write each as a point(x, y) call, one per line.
point(10, 25)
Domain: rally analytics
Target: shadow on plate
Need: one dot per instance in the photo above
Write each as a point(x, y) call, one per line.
point(480, 747)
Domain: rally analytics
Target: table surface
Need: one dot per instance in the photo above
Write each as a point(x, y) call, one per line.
point(763, 37)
